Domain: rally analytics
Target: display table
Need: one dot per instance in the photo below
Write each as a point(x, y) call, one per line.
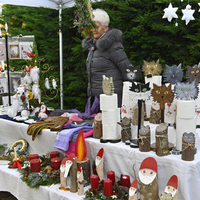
point(118, 157)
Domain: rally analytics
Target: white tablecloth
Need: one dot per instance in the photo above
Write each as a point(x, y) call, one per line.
point(117, 157)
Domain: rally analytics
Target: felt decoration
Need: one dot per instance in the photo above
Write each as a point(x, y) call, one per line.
point(186, 91)
point(151, 68)
point(54, 83)
point(193, 73)
point(27, 79)
point(58, 126)
point(162, 94)
point(133, 190)
point(144, 139)
point(125, 128)
point(155, 114)
point(188, 146)
point(166, 196)
point(148, 179)
point(170, 13)
point(188, 14)
point(47, 83)
point(36, 92)
point(34, 73)
point(108, 85)
point(99, 164)
point(30, 54)
point(132, 73)
point(162, 146)
point(173, 74)
point(172, 187)
point(80, 181)
point(97, 126)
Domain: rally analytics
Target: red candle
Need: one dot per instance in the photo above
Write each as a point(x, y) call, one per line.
point(32, 156)
point(108, 187)
point(126, 180)
point(54, 154)
point(35, 165)
point(94, 180)
point(55, 163)
point(111, 176)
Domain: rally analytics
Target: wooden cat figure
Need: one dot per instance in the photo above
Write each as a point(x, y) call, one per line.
point(108, 85)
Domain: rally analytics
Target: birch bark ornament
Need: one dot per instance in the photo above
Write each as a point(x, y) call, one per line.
point(155, 114)
point(172, 187)
point(125, 128)
point(97, 126)
point(162, 146)
point(99, 164)
point(144, 139)
point(133, 190)
point(188, 146)
point(81, 159)
point(80, 181)
point(148, 179)
point(162, 94)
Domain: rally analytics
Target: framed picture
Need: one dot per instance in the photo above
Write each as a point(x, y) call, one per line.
point(25, 47)
point(2, 52)
point(14, 52)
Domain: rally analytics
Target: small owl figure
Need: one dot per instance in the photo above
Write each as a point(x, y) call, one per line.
point(108, 85)
point(193, 73)
point(173, 74)
point(166, 196)
point(186, 91)
point(151, 68)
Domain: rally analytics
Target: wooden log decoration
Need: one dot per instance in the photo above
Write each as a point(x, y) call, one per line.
point(85, 164)
point(80, 181)
point(73, 177)
point(135, 115)
point(155, 114)
point(188, 146)
point(162, 147)
point(97, 126)
point(148, 179)
point(125, 128)
point(144, 139)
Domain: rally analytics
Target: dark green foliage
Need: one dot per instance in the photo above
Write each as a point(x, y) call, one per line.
point(146, 36)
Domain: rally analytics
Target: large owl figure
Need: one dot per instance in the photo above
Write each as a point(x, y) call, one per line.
point(186, 91)
point(151, 68)
point(173, 74)
point(193, 73)
point(108, 85)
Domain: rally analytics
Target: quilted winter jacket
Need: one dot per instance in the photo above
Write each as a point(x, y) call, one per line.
point(106, 57)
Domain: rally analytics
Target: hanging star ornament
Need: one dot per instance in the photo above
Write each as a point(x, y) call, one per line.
point(170, 13)
point(199, 5)
point(188, 14)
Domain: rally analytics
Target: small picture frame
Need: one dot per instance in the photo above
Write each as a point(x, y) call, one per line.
point(14, 52)
point(2, 52)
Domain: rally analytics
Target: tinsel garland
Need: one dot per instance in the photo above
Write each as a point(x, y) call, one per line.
point(83, 18)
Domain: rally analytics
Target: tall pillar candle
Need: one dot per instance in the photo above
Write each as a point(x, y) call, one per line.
point(126, 180)
point(108, 187)
point(94, 180)
point(35, 165)
point(111, 176)
point(55, 163)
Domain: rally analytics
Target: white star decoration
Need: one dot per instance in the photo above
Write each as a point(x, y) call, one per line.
point(199, 5)
point(188, 14)
point(170, 13)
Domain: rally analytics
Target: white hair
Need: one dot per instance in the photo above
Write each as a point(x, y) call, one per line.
point(101, 16)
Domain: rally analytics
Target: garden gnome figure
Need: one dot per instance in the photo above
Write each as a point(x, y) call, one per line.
point(80, 181)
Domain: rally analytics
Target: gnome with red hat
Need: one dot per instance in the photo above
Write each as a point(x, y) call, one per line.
point(99, 164)
point(43, 111)
point(64, 170)
point(148, 179)
point(80, 181)
point(133, 191)
point(172, 187)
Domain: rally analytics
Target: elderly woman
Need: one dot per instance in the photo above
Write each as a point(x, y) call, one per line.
point(106, 56)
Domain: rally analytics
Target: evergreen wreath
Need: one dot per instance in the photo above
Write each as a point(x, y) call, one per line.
point(83, 18)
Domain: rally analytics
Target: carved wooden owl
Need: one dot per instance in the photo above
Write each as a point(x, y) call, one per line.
point(189, 137)
point(166, 196)
point(108, 85)
point(193, 73)
point(151, 68)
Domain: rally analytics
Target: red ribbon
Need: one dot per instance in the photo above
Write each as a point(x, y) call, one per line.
point(17, 165)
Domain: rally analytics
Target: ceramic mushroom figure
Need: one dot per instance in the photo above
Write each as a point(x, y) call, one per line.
point(99, 164)
point(64, 170)
point(148, 179)
point(133, 190)
point(80, 181)
point(172, 187)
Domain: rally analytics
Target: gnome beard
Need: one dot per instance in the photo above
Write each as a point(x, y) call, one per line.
point(99, 167)
point(170, 190)
point(67, 167)
point(63, 182)
point(147, 176)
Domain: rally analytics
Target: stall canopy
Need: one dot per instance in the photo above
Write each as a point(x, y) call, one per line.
point(53, 4)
